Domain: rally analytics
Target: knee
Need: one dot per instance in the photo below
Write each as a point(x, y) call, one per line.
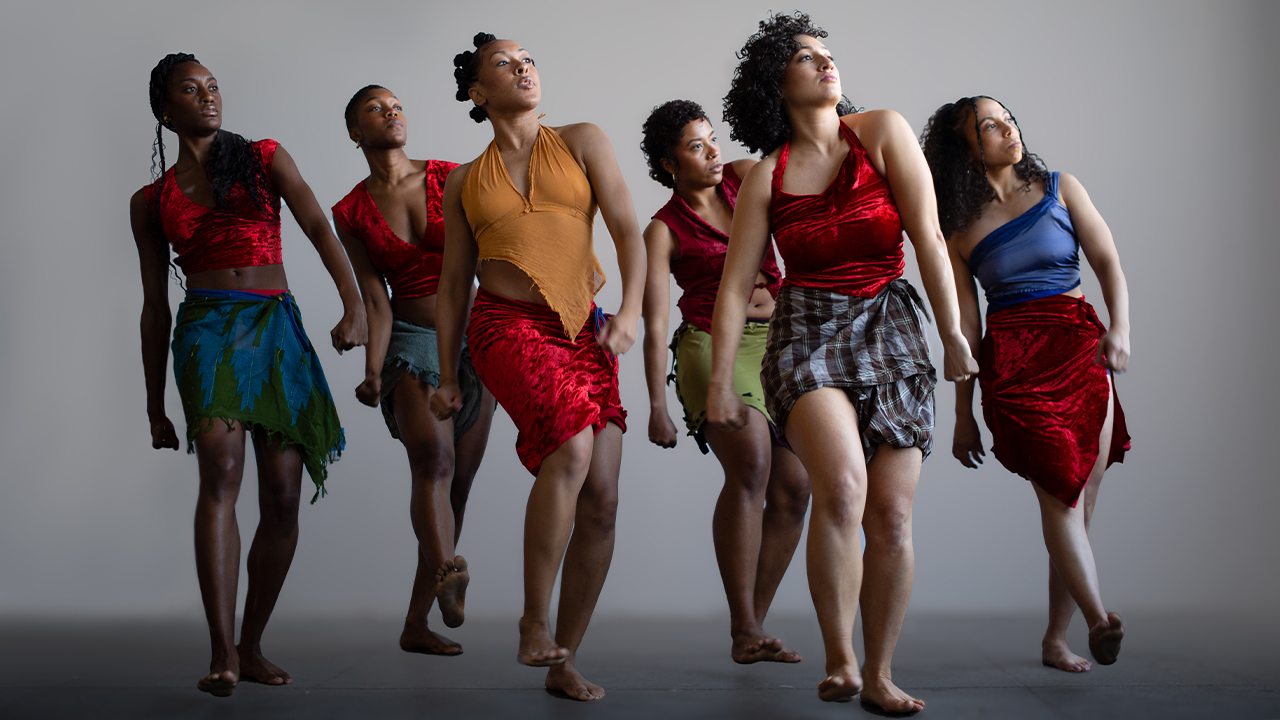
point(840, 500)
point(599, 510)
point(220, 477)
point(279, 506)
point(748, 472)
point(572, 460)
point(430, 462)
point(790, 499)
point(888, 525)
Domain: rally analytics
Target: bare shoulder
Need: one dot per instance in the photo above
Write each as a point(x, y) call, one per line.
point(758, 180)
point(873, 125)
point(1070, 191)
point(138, 201)
point(581, 136)
point(743, 166)
point(656, 229)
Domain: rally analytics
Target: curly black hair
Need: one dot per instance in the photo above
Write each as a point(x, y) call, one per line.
point(350, 113)
point(960, 182)
point(466, 71)
point(231, 164)
point(662, 133)
point(753, 108)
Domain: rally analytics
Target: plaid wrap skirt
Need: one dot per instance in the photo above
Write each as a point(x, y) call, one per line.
point(873, 348)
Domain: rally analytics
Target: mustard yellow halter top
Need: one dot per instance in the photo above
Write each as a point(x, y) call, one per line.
point(547, 234)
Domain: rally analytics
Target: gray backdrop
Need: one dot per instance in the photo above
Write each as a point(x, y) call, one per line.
point(1163, 110)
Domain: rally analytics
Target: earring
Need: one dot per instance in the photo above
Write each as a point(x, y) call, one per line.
point(675, 179)
point(357, 144)
point(165, 120)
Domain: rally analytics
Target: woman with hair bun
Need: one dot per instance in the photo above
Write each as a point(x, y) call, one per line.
point(522, 213)
point(393, 228)
point(243, 364)
point(688, 238)
point(1046, 361)
point(846, 370)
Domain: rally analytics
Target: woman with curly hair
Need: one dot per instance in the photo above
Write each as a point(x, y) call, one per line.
point(688, 238)
point(393, 229)
point(846, 370)
point(1046, 360)
point(522, 213)
point(242, 362)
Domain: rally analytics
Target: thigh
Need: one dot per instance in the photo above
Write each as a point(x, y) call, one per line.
point(892, 477)
point(749, 449)
point(606, 463)
point(427, 440)
point(220, 454)
point(279, 469)
point(469, 449)
point(822, 429)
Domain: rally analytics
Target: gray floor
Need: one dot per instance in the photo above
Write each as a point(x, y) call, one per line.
point(962, 666)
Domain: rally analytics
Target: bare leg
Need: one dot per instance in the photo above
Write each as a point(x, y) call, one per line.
point(823, 429)
point(586, 562)
point(786, 501)
point(548, 522)
point(220, 452)
point(271, 554)
point(469, 451)
point(889, 567)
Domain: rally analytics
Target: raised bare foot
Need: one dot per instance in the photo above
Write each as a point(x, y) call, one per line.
point(537, 648)
point(880, 694)
point(1104, 639)
point(418, 638)
point(218, 684)
point(451, 590)
point(757, 646)
point(565, 679)
point(261, 670)
point(1056, 654)
point(841, 684)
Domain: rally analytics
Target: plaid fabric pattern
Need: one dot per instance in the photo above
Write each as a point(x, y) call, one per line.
point(874, 348)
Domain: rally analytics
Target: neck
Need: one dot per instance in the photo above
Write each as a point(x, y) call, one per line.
point(514, 131)
point(1004, 181)
point(194, 148)
point(388, 166)
point(816, 127)
point(698, 197)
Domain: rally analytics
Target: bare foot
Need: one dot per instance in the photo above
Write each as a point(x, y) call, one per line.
point(565, 679)
point(418, 638)
point(841, 685)
point(451, 590)
point(261, 670)
point(1056, 654)
point(1104, 639)
point(537, 648)
point(881, 694)
point(757, 646)
point(218, 684)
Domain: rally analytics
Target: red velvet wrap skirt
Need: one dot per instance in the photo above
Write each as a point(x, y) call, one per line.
point(1043, 398)
point(552, 386)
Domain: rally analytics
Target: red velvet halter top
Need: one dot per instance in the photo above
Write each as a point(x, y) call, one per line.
point(411, 269)
point(847, 238)
point(206, 238)
point(702, 250)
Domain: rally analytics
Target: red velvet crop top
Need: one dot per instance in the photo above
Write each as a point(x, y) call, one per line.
point(849, 237)
point(702, 250)
point(206, 238)
point(411, 269)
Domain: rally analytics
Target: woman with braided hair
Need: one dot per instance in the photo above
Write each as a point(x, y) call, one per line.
point(242, 362)
point(1046, 361)
point(522, 213)
point(846, 369)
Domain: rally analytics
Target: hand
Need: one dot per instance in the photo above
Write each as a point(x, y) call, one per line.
point(966, 443)
point(446, 400)
point(662, 432)
point(369, 392)
point(351, 331)
point(1113, 351)
point(163, 435)
point(725, 410)
point(618, 334)
point(958, 364)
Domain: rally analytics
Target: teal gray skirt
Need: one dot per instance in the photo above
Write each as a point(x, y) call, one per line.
point(413, 349)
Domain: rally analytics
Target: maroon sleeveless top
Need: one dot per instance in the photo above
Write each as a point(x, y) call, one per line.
point(411, 269)
point(205, 238)
point(702, 250)
point(849, 237)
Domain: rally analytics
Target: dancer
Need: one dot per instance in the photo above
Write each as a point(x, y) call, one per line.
point(846, 368)
point(688, 237)
point(392, 226)
point(524, 211)
point(1046, 358)
point(241, 360)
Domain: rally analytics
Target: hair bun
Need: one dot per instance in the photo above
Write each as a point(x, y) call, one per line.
point(483, 38)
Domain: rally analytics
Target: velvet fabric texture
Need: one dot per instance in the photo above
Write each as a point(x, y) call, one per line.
point(848, 238)
point(702, 251)
point(411, 268)
point(1043, 398)
point(206, 238)
point(551, 385)
point(412, 349)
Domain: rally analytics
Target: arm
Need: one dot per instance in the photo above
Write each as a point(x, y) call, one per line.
point(456, 277)
point(1100, 250)
point(353, 329)
point(890, 137)
point(660, 245)
point(377, 308)
point(153, 260)
point(747, 244)
point(966, 443)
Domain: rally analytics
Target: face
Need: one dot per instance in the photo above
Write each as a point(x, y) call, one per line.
point(508, 79)
point(380, 121)
point(811, 77)
point(697, 156)
point(192, 102)
point(1001, 139)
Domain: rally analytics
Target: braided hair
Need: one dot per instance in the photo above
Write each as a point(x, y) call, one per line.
point(960, 182)
point(662, 133)
point(753, 109)
point(466, 70)
point(350, 113)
